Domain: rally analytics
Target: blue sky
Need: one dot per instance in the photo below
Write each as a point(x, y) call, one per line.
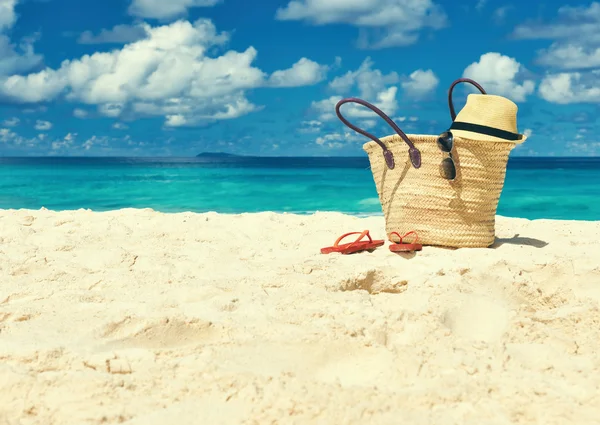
point(179, 77)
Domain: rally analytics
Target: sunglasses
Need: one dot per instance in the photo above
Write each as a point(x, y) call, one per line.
point(447, 168)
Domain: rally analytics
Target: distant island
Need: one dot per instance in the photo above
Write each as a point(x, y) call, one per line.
point(216, 155)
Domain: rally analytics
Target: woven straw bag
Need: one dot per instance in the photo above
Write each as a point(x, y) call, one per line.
point(415, 196)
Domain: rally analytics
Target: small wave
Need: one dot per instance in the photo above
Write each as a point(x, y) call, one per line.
point(368, 202)
point(309, 212)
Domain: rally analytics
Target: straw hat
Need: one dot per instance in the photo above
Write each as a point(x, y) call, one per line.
point(488, 117)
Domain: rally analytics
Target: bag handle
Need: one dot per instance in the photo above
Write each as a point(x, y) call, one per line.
point(460, 80)
point(413, 153)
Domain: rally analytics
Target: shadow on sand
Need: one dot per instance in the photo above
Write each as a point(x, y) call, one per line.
point(519, 240)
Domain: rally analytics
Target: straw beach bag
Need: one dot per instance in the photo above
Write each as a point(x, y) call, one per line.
point(446, 187)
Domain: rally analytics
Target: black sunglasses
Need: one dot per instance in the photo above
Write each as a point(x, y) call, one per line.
point(447, 168)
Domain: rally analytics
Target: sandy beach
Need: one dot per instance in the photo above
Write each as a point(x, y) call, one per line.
point(140, 317)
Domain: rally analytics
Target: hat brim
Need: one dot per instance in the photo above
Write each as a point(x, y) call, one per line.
point(484, 137)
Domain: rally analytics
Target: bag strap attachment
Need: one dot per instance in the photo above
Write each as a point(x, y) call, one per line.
point(413, 153)
point(460, 80)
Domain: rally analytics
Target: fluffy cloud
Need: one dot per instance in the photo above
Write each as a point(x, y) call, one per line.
point(9, 137)
point(166, 9)
point(7, 14)
point(383, 23)
point(14, 58)
point(574, 54)
point(584, 148)
point(303, 73)
point(120, 126)
point(312, 126)
point(11, 122)
point(71, 144)
point(373, 86)
point(119, 34)
point(168, 74)
point(569, 56)
point(43, 125)
point(14, 140)
point(64, 143)
point(368, 80)
point(80, 113)
point(576, 35)
point(499, 74)
point(500, 13)
point(573, 87)
point(571, 22)
point(338, 140)
point(420, 83)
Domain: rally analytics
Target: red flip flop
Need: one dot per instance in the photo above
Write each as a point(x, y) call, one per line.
point(356, 246)
point(402, 246)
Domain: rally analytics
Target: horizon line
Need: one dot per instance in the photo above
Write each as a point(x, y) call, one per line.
point(256, 156)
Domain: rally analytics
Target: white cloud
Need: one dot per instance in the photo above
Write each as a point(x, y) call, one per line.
point(7, 14)
point(576, 35)
point(303, 73)
point(11, 122)
point(7, 136)
point(95, 141)
point(43, 125)
point(574, 87)
point(176, 121)
point(311, 126)
point(167, 74)
point(42, 142)
point(368, 80)
point(36, 110)
point(80, 113)
point(375, 87)
point(569, 56)
point(382, 23)
point(70, 144)
point(119, 34)
point(337, 140)
point(17, 58)
point(64, 143)
point(571, 22)
point(166, 9)
point(500, 13)
point(584, 148)
point(120, 126)
point(385, 100)
point(420, 83)
point(367, 124)
point(499, 74)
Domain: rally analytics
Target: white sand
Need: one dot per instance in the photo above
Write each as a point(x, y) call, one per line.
point(139, 317)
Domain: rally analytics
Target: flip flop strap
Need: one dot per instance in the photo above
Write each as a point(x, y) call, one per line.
point(397, 234)
point(362, 235)
point(412, 232)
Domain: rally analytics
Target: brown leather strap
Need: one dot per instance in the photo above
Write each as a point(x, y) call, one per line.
point(413, 153)
point(460, 80)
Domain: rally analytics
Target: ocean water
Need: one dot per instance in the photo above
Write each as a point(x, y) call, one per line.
point(557, 188)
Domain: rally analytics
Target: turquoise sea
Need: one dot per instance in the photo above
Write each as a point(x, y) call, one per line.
point(558, 188)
